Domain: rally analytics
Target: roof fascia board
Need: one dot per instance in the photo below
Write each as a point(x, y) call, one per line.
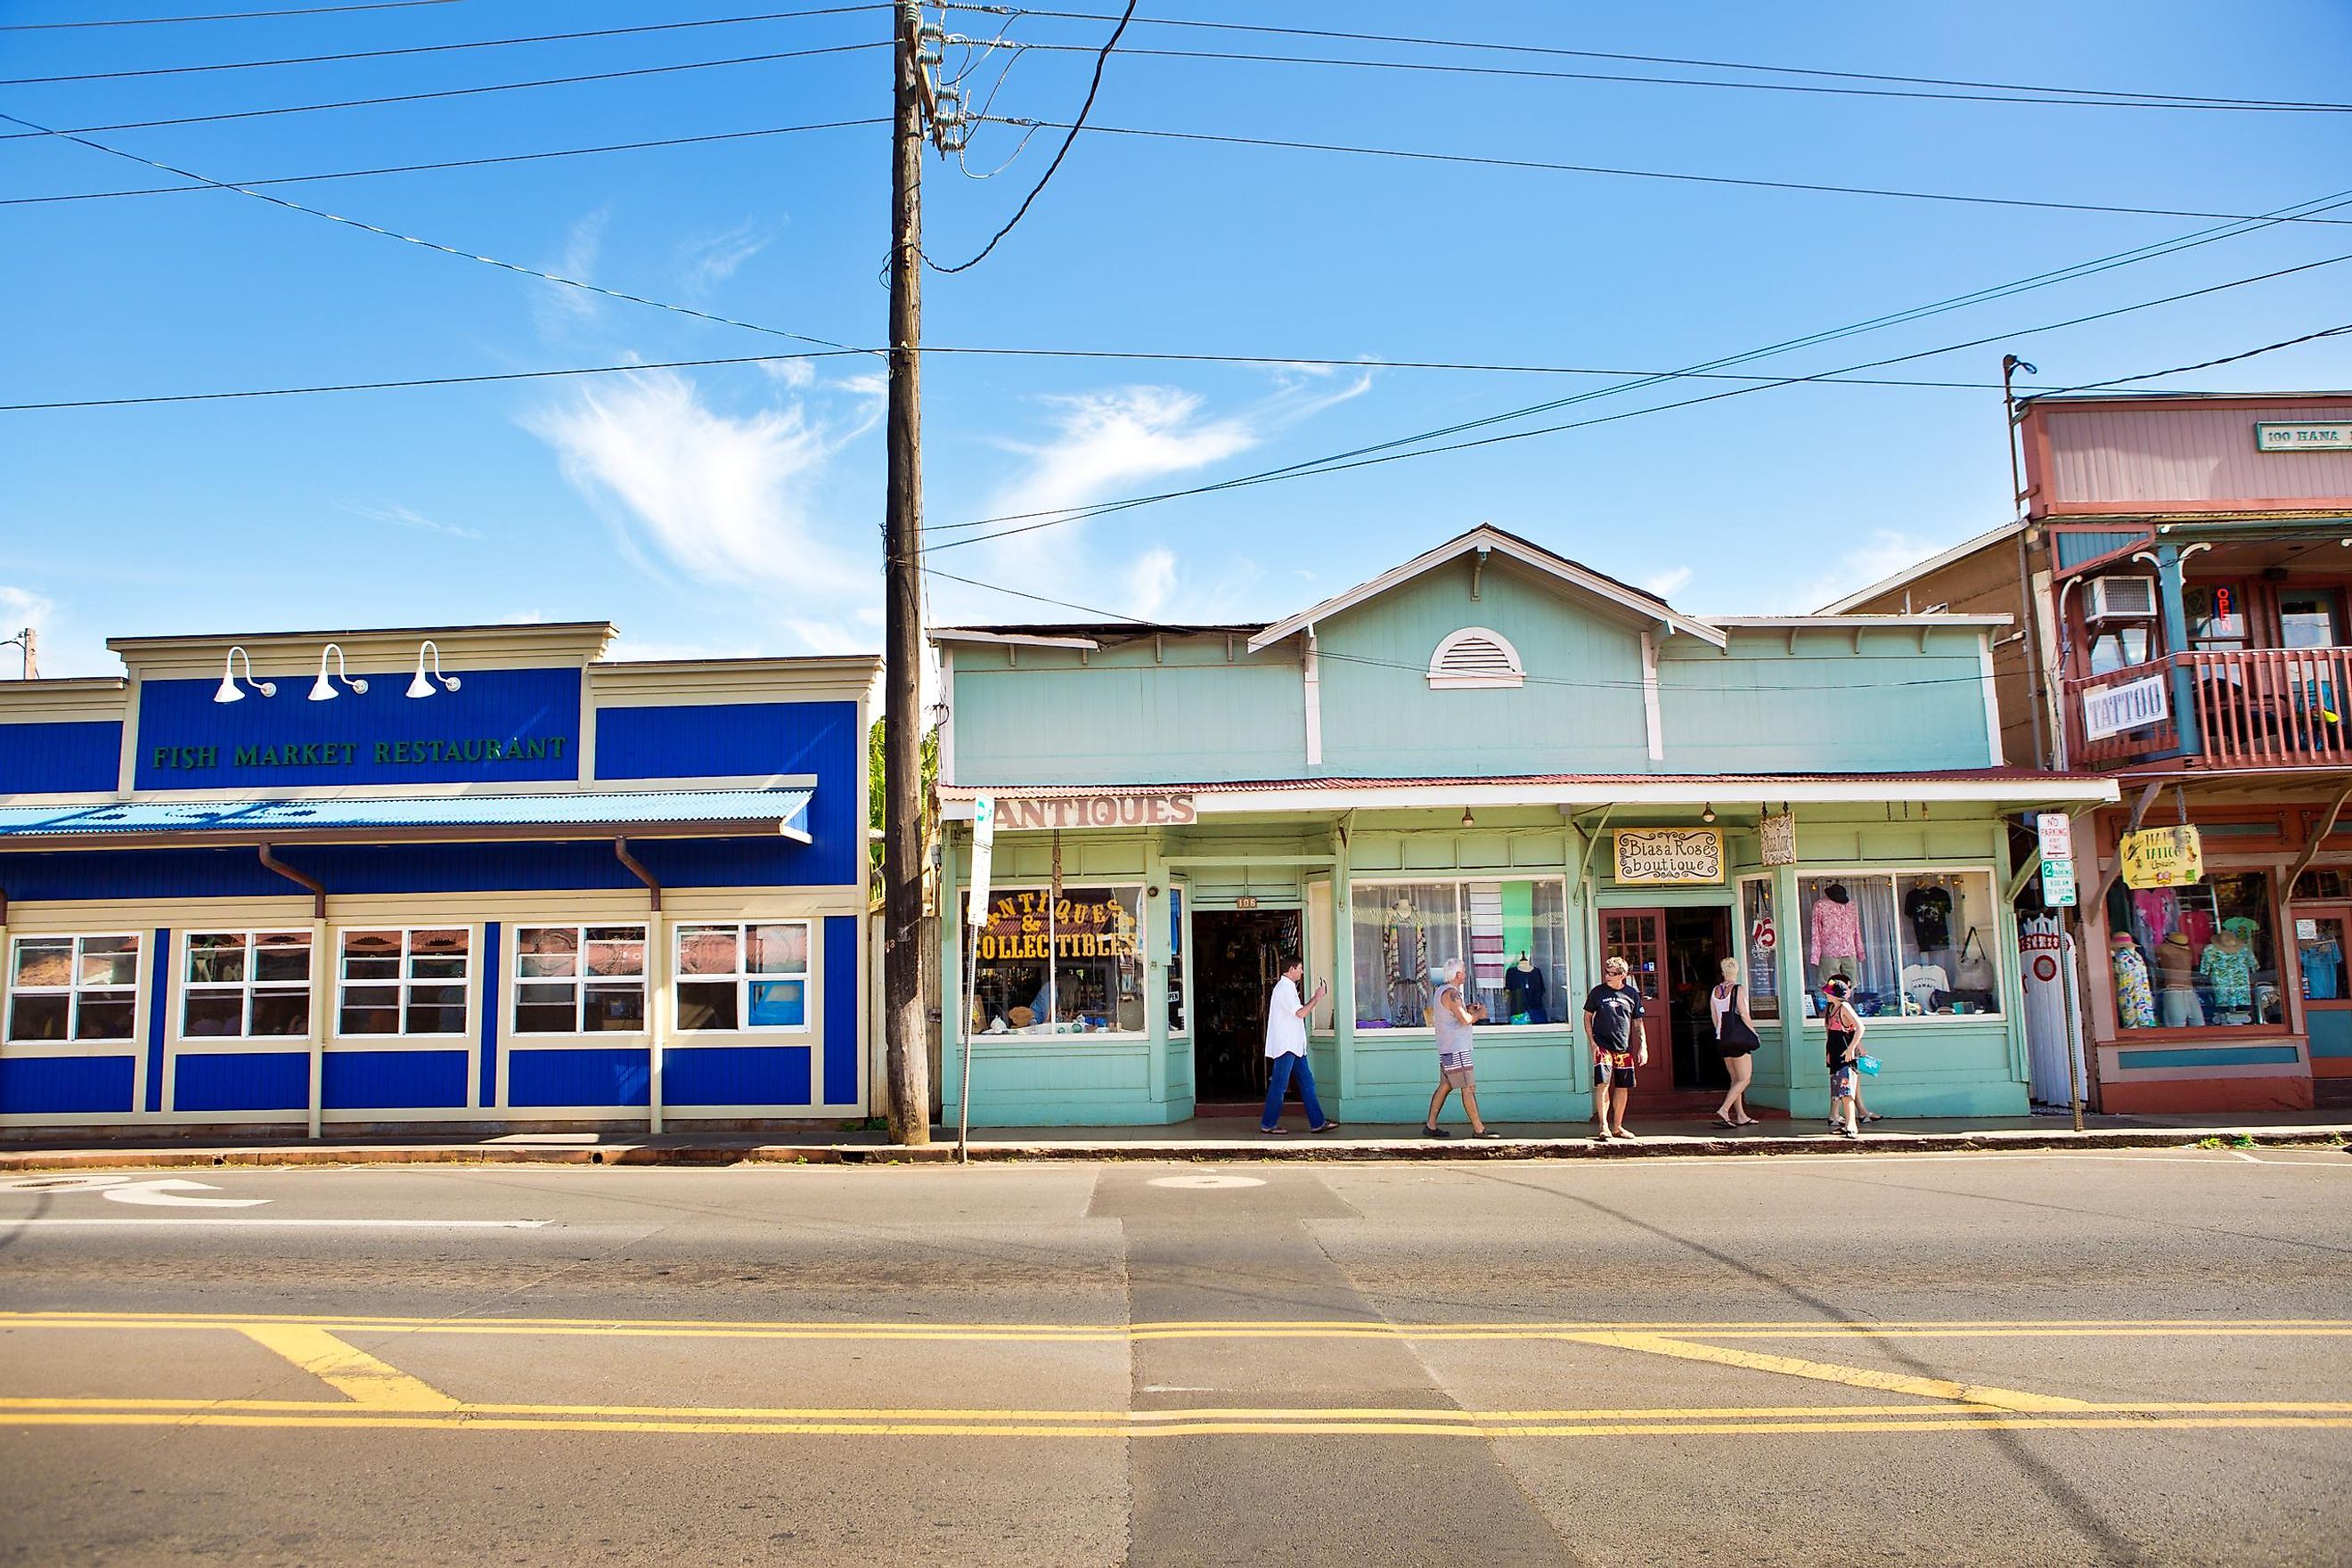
point(1488, 538)
point(953, 634)
point(2019, 793)
point(519, 832)
point(1862, 621)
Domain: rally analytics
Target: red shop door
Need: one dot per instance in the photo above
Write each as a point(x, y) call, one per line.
point(1639, 937)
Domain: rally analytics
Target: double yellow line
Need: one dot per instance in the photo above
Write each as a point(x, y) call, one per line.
point(376, 1395)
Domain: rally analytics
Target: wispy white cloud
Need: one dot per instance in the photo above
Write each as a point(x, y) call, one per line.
point(710, 259)
point(406, 518)
point(1886, 552)
point(556, 308)
point(1152, 581)
point(1103, 442)
point(726, 499)
point(1666, 583)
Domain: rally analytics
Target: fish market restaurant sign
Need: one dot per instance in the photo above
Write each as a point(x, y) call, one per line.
point(503, 725)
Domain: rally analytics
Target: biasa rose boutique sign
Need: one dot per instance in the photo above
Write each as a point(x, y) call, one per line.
point(1666, 856)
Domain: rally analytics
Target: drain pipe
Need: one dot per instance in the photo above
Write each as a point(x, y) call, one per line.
point(657, 983)
point(319, 971)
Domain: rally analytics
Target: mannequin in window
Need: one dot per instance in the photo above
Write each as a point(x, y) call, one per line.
point(1523, 993)
point(2177, 1003)
point(1836, 926)
point(2135, 1003)
point(2228, 962)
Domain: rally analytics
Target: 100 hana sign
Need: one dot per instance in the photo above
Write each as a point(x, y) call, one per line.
point(1659, 857)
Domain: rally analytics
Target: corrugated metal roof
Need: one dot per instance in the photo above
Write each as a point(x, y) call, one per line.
point(1234, 786)
point(782, 810)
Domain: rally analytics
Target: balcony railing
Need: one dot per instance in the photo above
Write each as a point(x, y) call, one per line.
point(2264, 707)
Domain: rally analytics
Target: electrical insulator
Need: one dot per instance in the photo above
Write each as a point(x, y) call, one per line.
point(949, 127)
point(930, 44)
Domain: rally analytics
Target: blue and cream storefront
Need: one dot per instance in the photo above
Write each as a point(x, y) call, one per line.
point(464, 875)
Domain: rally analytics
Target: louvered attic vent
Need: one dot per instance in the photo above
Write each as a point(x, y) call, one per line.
point(1475, 657)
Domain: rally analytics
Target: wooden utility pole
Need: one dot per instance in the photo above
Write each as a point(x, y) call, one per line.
point(906, 1061)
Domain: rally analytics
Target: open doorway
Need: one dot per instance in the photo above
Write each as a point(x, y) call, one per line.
point(1236, 958)
point(1674, 954)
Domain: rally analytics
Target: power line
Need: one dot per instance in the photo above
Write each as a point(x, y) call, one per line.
point(627, 367)
point(1530, 164)
point(451, 92)
point(1973, 678)
point(1541, 165)
point(217, 16)
point(2209, 364)
point(439, 49)
point(2037, 280)
point(427, 244)
point(1374, 456)
point(1533, 74)
point(1094, 87)
point(464, 162)
point(1557, 52)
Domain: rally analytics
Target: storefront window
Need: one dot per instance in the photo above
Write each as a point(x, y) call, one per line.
point(247, 983)
point(580, 980)
point(73, 987)
point(1762, 946)
point(1513, 935)
point(2194, 956)
point(1067, 965)
point(2319, 955)
point(405, 982)
point(742, 977)
point(1912, 944)
point(2113, 647)
point(2217, 616)
point(1175, 959)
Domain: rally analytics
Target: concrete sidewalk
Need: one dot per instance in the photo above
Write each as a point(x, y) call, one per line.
point(1212, 1139)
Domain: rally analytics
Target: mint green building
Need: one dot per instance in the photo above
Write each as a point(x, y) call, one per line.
point(1492, 753)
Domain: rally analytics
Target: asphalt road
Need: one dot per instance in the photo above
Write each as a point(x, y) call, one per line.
point(2059, 1359)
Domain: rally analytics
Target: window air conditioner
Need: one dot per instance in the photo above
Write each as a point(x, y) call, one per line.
point(2120, 599)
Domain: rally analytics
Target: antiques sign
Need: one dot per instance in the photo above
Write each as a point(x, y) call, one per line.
point(1780, 836)
point(1082, 925)
point(1661, 857)
point(2162, 858)
point(1097, 811)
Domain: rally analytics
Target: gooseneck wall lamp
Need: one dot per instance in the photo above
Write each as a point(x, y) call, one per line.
point(422, 685)
point(229, 690)
point(323, 688)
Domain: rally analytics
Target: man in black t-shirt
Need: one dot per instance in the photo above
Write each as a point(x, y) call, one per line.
point(1612, 1022)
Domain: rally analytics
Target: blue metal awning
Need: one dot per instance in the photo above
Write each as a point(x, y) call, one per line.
point(651, 814)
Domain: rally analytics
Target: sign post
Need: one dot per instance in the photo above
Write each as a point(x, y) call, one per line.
point(975, 915)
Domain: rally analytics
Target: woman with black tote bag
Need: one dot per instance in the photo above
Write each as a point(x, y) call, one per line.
point(1735, 1036)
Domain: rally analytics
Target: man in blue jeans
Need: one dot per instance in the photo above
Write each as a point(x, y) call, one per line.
point(1286, 1050)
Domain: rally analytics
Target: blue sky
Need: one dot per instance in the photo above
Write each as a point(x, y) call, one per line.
point(738, 510)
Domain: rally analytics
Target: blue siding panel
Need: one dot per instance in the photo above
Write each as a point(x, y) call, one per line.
point(60, 758)
point(841, 1009)
point(186, 741)
point(2209, 1056)
point(488, 1093)
point(247, 1080)
point(159, 1011)
point(2331, 1032)
point(67, 1086)
point(735, 1075)
point(2074, 549)
point(752, 740)
point(432, 868)
point(595, 1076)
point(392, 1080)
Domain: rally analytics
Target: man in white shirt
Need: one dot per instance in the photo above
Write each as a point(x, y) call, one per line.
point(1286, 1050)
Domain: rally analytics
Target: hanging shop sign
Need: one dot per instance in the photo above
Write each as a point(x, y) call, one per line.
point(1145, 810)
point(2162, 858)
point(2112, 709)
point(1780, 836)
point(1083, 925)
point(1664, 856)
point(983, 858)
point(2284, 438)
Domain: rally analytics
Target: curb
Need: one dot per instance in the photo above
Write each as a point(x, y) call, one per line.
point(1191, 1151)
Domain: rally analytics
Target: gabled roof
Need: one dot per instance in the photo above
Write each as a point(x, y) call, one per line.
point(1636, 602)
